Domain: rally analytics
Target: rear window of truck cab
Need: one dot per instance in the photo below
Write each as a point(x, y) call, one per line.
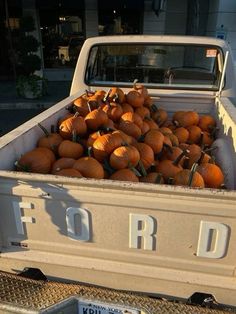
point(180, 66)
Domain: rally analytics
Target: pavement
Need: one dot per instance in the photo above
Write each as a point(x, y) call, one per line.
point(16, 110)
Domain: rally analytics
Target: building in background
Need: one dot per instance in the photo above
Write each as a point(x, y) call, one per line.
point(63, 25)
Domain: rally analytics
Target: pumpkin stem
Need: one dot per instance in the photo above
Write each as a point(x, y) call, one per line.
point(185, 163)
point(170, 180)
point(108, 167)
point(158, 178)
point(135, 171)
point(106, 129)
point(44, 129)
point(89, 108)
point(23, 168)
point(210, 149)
point(105, 98)
point(201, 141)
point(176, 123)
point(134, 83)
point(192, 171)
point(74, 136)
point(89, 151)
point(178, 159)
point(89, 93)
point(141, 166)
point(76, 114)
point(153, 108)
point(70, 108)
point(212, 160)
point(201, 157)
point(168, 147)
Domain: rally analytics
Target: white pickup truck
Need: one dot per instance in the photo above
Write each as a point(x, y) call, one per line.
point(155, 239)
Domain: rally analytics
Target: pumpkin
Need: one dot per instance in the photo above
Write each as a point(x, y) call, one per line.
point(127, 139)
point(187, 177)
point(146, 154)
point(160, 116)
point(212, 175)
point(113, 110)
point(130, 128)
point(69, 172)
point(187, 118)
point(48, 152)
point(151, 123)
point(174, 139)
point(72, 124)
point(169, 168)
point(148, 102)
point(116, 94)
point(152, 177)
point(132, 117)
point(135, 99)
point(70, 149)
point(172, 154)
point(145, 127)
point(155, 139)
point(182, 134)
point(143, 112)
point(96, 119)
point(49, 140)
point(207, 123)
point(36, 161)
point(89, 167)
point(127, 107)
point(62, 163)
point(124, 175)
point(81, 106)
point(92, 138)
point(124, 157)
point(105, 144)
point(194, 153)
point(206, 139)
point(194, 134)
point(141, 89)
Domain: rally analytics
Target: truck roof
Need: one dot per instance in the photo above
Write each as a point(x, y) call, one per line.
point(202, 40)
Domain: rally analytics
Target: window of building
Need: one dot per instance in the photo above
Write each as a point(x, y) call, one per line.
point(120, 17)
point(62, 31)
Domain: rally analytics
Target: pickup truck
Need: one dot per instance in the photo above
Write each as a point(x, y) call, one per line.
point(157, 240)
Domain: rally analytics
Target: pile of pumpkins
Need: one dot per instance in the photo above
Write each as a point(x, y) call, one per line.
point(118, 136)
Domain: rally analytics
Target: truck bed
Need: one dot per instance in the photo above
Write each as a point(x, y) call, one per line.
point(38, 212)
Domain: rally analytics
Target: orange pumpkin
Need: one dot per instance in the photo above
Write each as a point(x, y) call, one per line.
point(69, 172)
point(124, 157)
point(113, 110)
point(130, 128)
point(89, 167)
point(186, 177)
point(70, 149)
point(146, 154)
point(212, 175)
point(62, 163)
point(182, 134)
point(49, 140)
point(72, 124)
point(135, 99)
point(95, 119)
point(207, 123)
point(105, 144)
point(152, 177)
point(36, 161)
point(155, 139)
point(124, 175)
